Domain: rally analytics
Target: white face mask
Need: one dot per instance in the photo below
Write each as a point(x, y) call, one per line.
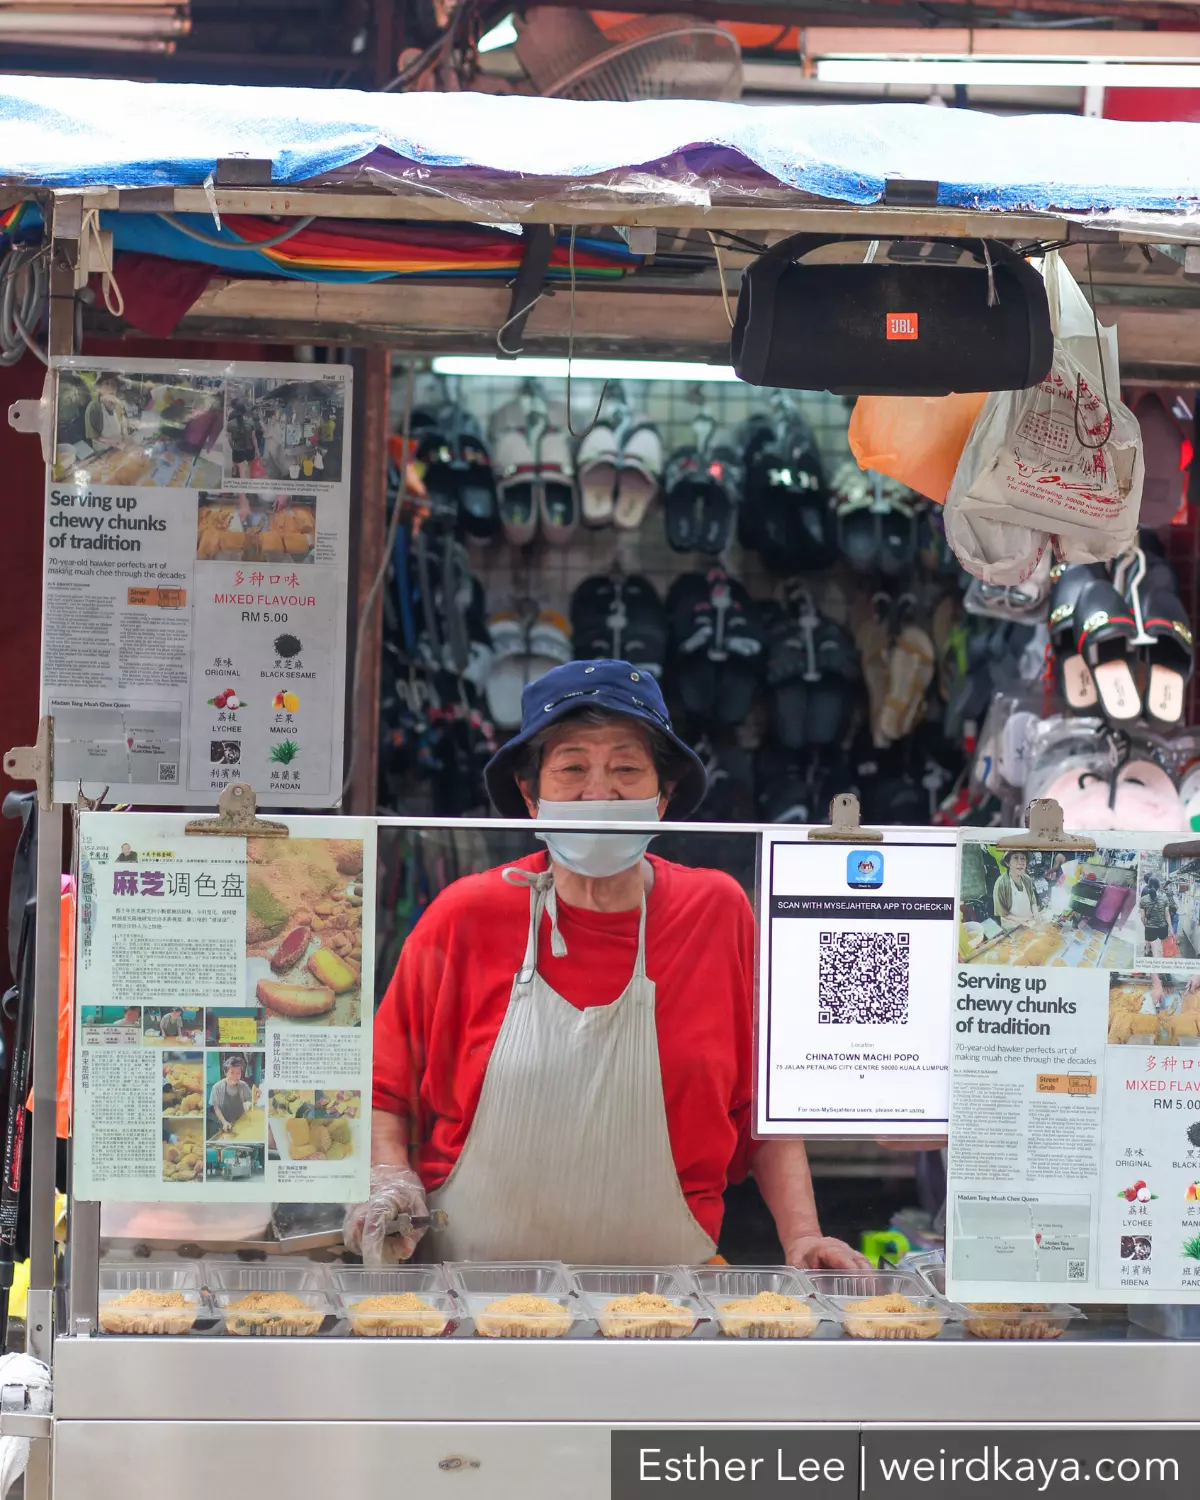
point(598, 854)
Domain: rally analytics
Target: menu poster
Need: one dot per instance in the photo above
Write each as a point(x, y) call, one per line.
point(856, 946)
point(195, 565)
point(225, 988)
point(1074, 1160)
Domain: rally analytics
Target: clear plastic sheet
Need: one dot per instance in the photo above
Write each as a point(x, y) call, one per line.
point(700, 178)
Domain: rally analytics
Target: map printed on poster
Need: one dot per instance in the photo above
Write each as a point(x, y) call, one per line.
point(224, 991)
point(1074, 1160)
point(853, 1000)
point(195, 565)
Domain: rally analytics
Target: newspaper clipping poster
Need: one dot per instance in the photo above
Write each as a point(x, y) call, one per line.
point(225, 990)
point(856, 946)
point(1074, 1160)
point(195, 564)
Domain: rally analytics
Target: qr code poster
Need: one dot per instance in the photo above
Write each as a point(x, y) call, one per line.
point(857, 949)
point(863, 977)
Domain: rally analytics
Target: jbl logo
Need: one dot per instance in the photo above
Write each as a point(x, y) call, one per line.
point(902, 325)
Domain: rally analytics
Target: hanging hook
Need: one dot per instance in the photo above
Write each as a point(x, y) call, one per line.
point(571, 349)
point(518, 317)
point(1083, 436)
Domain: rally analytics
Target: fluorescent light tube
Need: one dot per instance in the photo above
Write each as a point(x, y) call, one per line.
point(582, 369)
point(1045, 74)
point(83, 27)
point(503, 34)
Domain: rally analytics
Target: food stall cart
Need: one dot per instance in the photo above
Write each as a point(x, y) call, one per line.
point(145, 1414)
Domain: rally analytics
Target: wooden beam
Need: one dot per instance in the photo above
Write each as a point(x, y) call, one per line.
point(777, 208)
point(451, 318)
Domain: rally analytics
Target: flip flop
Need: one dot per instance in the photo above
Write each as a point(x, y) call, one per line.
point(639, 472)
point(1104, 627)
point(858, 537)
point(516, 487)
point(596, 464)
point(1067, 582)
point(897, 554)
point(476, 487)
point(1169, 660)
point(621, 618)
point(557, 505)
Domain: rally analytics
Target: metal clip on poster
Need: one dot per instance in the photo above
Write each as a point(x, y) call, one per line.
point(237, 809)
point(35, 763)
point(844, 827)
point(1044, 820)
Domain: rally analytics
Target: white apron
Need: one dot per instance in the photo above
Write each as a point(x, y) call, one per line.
point(110, 430)
point(1022, 907)
point(568, 1156)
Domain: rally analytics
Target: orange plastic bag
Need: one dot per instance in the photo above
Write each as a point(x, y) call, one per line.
point(915, 439)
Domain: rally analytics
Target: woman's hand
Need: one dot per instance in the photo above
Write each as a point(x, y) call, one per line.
point(818, 1252)
point(394, 1191)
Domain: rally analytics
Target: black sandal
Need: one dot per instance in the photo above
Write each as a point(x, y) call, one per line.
point(1169, 660)
point(1067, 582)
point(1104, 628)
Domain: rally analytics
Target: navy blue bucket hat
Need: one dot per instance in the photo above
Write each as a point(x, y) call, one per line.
point(616, 686)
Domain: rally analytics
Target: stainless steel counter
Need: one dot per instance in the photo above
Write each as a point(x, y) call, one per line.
point(232, 1380)
point(456, 1418)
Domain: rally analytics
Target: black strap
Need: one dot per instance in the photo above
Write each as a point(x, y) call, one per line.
point(21, 805)
point(796, 246)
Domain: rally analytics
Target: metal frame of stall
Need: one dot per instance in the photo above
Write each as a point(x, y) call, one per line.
point(136, 1416)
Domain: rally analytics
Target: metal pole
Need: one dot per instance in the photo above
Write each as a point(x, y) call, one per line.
point(39, 1337)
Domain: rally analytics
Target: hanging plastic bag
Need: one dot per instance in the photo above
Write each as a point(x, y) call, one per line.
point(1063, 459)
point(915, 439)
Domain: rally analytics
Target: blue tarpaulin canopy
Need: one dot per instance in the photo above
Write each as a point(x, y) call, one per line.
point(91, 133)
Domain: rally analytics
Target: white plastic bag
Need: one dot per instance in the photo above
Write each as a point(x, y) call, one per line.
point(21, 1369)
point(1049, 462)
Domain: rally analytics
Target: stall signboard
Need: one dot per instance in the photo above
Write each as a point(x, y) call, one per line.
point(195, 565)
point(856, 945)
point(1074, 1160)
point(224, 1004)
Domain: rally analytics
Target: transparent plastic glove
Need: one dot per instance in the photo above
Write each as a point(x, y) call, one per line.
point(394, 1191)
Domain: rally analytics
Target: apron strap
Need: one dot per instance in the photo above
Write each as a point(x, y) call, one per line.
point(639, 967)
point(541, 898)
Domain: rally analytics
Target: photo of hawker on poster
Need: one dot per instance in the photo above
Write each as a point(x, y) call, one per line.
point(1074, 1153)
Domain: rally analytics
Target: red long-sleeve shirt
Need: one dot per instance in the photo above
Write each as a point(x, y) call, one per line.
point(440, 1018)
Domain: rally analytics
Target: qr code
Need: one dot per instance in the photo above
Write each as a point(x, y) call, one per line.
point(863, 978)
point(168, 771)
point(1077, 1270)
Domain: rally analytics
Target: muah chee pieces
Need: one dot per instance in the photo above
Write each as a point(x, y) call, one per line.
point(291, 950)
point(326, 967)
point(294, 999)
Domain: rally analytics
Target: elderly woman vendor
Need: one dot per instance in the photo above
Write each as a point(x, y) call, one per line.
point(563, 1058)
point(1014, 897)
